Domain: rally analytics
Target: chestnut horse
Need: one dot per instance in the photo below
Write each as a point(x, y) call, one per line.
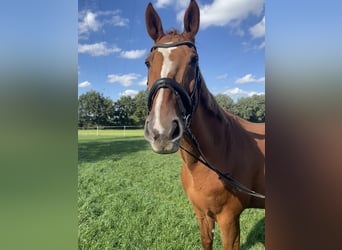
point(219, 151)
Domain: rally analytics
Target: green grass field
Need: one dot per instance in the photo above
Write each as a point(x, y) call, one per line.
point(132, 198)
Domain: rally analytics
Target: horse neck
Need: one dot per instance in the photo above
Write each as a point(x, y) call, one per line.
point(211, 127)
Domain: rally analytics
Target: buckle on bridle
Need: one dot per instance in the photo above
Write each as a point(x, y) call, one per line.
point(186, 119)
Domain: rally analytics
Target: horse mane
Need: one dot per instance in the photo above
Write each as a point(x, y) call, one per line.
point(209, 102)
point(173, 32)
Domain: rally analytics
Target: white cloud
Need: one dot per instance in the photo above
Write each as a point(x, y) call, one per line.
point(237, 92)
point(177, 4)
point(143, 82)
point(125, 80)
point(222, 77)
point(261, 45)
point(163, 3)
point(129, 92)
point(114, 18)
point(219, 12)
point(253, 46)
point(102, 49)
point(133, 54)
point(87, 22)
point(249, 78)
point(117, 20)
point(97, 49)
point(258, 30)
point(84, 84)
point(223, 12)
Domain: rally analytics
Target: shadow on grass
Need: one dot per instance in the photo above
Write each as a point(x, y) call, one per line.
point(109, 148)
point(256, 235)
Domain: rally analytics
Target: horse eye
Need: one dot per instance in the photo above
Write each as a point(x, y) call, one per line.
point(147, 63)
point(194, 60)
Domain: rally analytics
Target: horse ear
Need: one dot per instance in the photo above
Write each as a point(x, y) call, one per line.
point(192, 20)
point(153, 23)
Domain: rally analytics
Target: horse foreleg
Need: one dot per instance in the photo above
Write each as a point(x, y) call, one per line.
point(206, 225)
point(230, 231)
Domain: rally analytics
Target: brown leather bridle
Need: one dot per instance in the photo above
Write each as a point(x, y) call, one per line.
point(186, 101)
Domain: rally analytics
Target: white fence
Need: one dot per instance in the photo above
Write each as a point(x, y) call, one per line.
point(119, 128)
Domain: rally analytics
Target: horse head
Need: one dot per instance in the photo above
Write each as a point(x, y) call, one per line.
point(173, 76)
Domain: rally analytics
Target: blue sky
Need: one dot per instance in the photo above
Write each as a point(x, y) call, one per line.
point(113, 44)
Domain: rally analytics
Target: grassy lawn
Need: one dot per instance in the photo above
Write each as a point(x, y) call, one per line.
point(132, 198)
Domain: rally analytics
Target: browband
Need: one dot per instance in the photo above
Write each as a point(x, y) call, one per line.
point(169, 45)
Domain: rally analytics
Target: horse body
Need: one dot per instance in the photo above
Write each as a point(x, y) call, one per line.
point(234, 146)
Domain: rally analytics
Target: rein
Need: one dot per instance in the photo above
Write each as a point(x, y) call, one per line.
point(187, 105)
point(226, 177)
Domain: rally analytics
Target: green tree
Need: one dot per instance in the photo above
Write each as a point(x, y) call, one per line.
point(94, 110)
point(123, 111)
point(251, 108)
point(225, 101)
point(140, 112)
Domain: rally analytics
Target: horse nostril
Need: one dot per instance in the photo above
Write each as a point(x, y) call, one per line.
point(156, 135)
point(176, 130)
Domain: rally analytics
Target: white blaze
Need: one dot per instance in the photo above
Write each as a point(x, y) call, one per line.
point(157, 124)
point(167, 63)
point(165, 70)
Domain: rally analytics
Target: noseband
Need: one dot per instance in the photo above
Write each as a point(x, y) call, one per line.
point(186, 102)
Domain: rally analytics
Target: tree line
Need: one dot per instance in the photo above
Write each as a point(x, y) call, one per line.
point(96, 110)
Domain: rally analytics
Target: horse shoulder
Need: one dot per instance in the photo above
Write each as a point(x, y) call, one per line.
point(204, 189)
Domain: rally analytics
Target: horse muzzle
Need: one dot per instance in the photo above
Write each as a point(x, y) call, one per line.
point(164, 129)
point(164, 139)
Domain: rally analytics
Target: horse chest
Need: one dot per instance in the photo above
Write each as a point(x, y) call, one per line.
point(205, 192)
